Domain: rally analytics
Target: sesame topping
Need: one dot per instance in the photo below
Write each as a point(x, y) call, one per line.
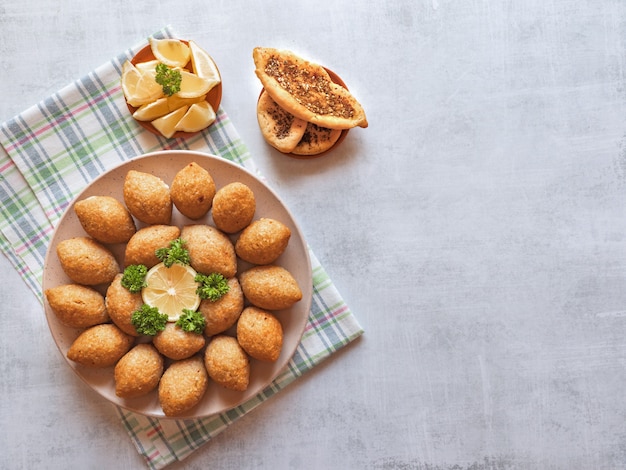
point(283, 121)
point(311, 90)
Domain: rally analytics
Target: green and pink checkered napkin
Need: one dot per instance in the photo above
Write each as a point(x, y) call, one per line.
point(57, 147)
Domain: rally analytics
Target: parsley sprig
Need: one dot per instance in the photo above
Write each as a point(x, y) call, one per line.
point(191, 321)
point(212, 286)
point(174, 253)
point(168, 78)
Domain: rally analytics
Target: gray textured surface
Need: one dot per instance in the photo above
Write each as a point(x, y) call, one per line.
point(477, 229)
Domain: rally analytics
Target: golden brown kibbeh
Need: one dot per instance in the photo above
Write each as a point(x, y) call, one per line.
point(77, 306)
point(260, 334)
point(270, 287)
point(227, 363)
point(182, 386)
point(234, 206)
point(210, 250)
point(138, 372)
point(100, 346)
point(87, 262)
point(224, 312)
point(105, 219)
point(147, 198)
point(120, 305)
point(177, 344)
point(263, 241)
point(192, 191)
point(141, 248)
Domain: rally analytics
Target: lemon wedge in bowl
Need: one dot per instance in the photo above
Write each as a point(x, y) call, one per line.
point(139, 86)
point(203, 65)
point(151, 111)
point(171, 52)
point(192, 86)
point(171, 290)
point(199, 116)
point(166, 125)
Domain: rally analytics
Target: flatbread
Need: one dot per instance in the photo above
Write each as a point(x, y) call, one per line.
point(316, 140)
point(305, 90)
point(280, 129)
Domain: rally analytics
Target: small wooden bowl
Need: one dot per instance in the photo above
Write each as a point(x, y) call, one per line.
point(336, 79)
point(214, 97)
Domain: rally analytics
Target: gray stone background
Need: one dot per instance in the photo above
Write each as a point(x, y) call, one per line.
point(477, 230)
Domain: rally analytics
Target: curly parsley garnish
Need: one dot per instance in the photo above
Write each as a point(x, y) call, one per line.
point(174, 253)
point(191, 321)
point(134, 277)
point(212, 287)
point(168, 78)
point(148, 320)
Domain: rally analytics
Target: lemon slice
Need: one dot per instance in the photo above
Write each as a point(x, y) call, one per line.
point(171, 52)
point(203, 65)
point(149, 66)
point(199, 116)
point(174, 102)
point(139, 86)
point(192, 86)
point(171, 289)
point(151, 111)
point(166, 125)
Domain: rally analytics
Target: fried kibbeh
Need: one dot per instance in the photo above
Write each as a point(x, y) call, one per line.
point(105, 219)
point(138, 372)
point(177, 344)
point(260, 334)
point(120, 304)
point(77, 306)
point(141, 248)
point(86, 261)
point(223, 313)
point(234, 206)
point(100, 346)
point(192, 191)
point(182, 386)
point(263, 241)
point(227, 363)
point(148, 198)
point(270, 287)
point(210, 250)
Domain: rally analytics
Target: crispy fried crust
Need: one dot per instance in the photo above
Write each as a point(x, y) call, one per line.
point(138, 372)
point(306, 90)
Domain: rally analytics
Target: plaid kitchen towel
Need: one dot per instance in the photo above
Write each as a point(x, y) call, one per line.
point(57, 147)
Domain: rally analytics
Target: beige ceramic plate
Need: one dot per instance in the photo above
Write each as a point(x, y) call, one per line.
point(214, 97)
point(296, 259)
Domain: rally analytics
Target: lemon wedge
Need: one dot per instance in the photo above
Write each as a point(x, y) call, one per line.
point(171, 289)
point(151, 111)
point(166, 125)
point(192, 86)
point(199, 116)
point(203, 65)
point(139, 86)
point(174, 102)
point(149, 66)
point(171, 52)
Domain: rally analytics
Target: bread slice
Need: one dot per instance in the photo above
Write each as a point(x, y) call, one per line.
point(306, 90)
point(316, 140)
point(279, 128)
